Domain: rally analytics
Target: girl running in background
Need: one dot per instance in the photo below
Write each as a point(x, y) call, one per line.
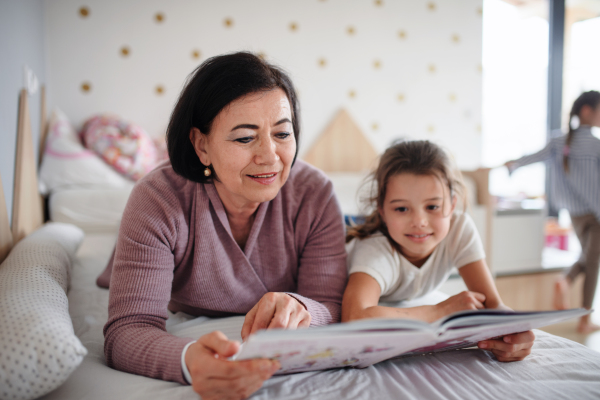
point(574, 174)
point(409, 244)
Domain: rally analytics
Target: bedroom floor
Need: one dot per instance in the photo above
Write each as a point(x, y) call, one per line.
point(553, 258)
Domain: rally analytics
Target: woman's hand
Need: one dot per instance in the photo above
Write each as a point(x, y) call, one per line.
point(213, 377)
point(513, 347)
point(275, 310)
point(466, 300)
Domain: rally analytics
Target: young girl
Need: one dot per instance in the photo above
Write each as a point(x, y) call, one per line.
point(411, 241)
point(574, 174)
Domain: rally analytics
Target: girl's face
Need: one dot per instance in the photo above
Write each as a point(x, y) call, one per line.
point(590, 116)
point(417, 210)
point(251, 147)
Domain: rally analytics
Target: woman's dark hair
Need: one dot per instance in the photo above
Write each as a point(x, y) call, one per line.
point(591, 99)
point(211, 87)
point(419, 157)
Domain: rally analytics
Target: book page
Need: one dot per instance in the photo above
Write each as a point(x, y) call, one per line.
point(317, 352)
point(466, 329)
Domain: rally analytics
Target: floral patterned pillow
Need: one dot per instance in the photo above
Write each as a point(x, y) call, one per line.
point(123, 145)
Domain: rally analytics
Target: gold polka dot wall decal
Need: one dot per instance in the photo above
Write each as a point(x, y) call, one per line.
point(125, 51)
point(432, 68)
point(431, 129)
point(322, 62)
point(402, 34)
point(478, 128)
point(84, 12)
point(159, 17)
point(378, 3)
point(293, 27)
point(375, 126)
point(401, 97)
point(479, 68)
point(86, 87)
point(228, 22)
point(480, 11)
point(456, 38)
point(196, 54)
point(377, 64)
point(452, 97)
point(431, 6)
point(262, 56)
point(159, 89)
point(350, 30)
point(352, 94)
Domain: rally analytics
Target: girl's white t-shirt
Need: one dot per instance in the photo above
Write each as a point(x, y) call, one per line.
point(398, 278)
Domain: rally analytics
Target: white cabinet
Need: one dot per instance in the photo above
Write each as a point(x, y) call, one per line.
point(518, 240)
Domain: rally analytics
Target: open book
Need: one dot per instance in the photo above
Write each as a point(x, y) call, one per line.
point(366, 342)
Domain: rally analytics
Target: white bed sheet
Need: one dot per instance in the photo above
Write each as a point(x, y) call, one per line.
point(557, 369)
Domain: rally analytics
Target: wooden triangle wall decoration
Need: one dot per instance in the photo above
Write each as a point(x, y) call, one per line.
point(342, 147)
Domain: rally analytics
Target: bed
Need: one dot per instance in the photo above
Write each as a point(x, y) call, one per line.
point(557, 368)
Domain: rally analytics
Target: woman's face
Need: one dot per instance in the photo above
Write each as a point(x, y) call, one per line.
point(251, 147)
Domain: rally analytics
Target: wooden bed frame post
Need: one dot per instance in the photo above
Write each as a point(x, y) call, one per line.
point(6, 239)
point(27, 211)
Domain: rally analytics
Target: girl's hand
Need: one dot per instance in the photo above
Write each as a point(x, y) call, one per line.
point(275, 310)
point(466, 300)
point(511, 166)
point(213, 377)
point(510, 348)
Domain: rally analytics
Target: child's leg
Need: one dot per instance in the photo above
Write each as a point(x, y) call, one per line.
point(592, 263)
point(562, 285)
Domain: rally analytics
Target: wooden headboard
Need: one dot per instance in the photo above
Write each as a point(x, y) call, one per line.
point(27, 207)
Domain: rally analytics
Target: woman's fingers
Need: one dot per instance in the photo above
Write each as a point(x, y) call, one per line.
point(218, 343)
point(265, 312)
point(249, 321)
point(213, 377)
point(275, 310)
point(305, 321)
point(238, 381)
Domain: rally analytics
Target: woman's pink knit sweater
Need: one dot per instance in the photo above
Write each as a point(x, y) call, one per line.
point(175, 251)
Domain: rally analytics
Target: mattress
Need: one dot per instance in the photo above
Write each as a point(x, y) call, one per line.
point(557, 368)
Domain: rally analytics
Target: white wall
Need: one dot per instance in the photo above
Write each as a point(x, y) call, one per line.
point(444, 105)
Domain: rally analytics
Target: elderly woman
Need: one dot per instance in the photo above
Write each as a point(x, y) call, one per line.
point(234, 224)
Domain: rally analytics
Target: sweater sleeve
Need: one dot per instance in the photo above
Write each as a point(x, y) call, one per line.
point(322, 272)
point(135, 335)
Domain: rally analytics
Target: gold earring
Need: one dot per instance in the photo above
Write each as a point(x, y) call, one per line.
point(207, 172)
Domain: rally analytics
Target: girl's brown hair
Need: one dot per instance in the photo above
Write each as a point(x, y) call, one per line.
point(591, 99)
point(419, 157)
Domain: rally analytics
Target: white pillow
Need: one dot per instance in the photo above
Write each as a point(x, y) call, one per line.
point(38, 348)
point(67, 164)
point(93, 210)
